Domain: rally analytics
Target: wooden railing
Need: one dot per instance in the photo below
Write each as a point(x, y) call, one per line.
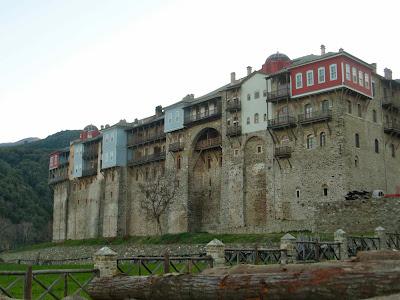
point(317, 251)
point(253, 256)
point(392, 127)
point(134, 140)
point(190, 118)
point(45, 283)
point(393, 241)
point(281, 122)
point(146, 159)
point(233, 105)
point(208, 143)
point(362, 243)
point(315, 116)
point(283, 92)
point(283, 152)
point(176, 146)
point(234, 130)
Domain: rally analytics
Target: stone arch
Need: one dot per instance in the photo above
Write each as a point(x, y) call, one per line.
point(205, 180)
point(254, 182)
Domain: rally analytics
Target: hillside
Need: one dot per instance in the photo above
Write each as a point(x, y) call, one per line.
point(25, 198)
point(20, 142)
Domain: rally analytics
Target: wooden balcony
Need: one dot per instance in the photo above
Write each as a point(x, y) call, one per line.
point(90, 153)
point(281, 93)
point(134, 140)
point(201, 116)
point(283, 152)
point(233, 105)
point(282, 122)
point(208, 144)
point(392, 127)
point(53, 179)
point(315, 117)
point(234, 130)
point(89, 171)
point(147, 159)
point(176, 146)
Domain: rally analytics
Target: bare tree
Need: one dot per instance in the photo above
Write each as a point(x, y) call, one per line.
point(158, 194)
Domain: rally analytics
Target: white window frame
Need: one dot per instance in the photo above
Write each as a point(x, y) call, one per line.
point(319, 74)
point(310, 79)
point(361, 78)
point(299, 80)
point(366, 80)
point(354, 74)
point(331, 67)
point(348, 72)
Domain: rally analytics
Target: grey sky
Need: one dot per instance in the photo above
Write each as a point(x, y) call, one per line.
point(65, 64)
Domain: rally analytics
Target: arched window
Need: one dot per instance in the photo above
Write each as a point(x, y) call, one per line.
point(283, 113)
point(322, 139)
point(209, 160)
point(357, 140)
point(325, 106)
point(393, 150)
point(310, 141)
point(248, 121)
point(308, 111)
point(376, 146)
point(349, 106)
point(374, 116)
point(324, 190)
point(256, 118)
point(265, 117)
point(356, 161)
point(359, 114)
point(178, 162)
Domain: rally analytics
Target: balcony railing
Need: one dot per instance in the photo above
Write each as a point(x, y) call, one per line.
point(213, 113)
point(208, 143)
point(315, 116)
point(176, 146)
point(90, 153)
point(234, 130)
point(282, 122)
point(89, 171)
point(283, 92)
point(392, 127)
point(283, 152)
point(137, 140)
point(233, 105)
point(147, 159)
point(58, 178)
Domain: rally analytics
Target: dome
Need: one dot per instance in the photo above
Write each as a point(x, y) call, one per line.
point(90, 127)
point(277, 57)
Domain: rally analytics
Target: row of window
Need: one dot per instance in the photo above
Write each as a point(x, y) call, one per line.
point(359, 111)
point(324, 191)
point(321, 76)
point(256, 95)
point(357, 76)
point(256, 119)
point(311, 140)
point(376, 145)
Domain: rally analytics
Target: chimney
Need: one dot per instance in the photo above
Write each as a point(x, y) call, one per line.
point(388, 73)
point(373, 65)
point(248, 70)
point(341, 50)
point(322, 49)
point(102, 127)
point(136, 121)
point(233, 77)
point(158, 110)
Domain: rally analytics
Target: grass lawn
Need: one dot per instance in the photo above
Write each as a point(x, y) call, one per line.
point(47, 279)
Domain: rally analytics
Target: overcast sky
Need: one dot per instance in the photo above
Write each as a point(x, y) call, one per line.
point(66, 64)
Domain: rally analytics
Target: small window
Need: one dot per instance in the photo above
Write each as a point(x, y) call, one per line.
point(374, 116)
point(333, 71)
point(310, 78)
point(256, 118)
point(228, 122)
point(308, 111)
point(359, 113)
point(209, 160)
point(265, 117)
point(256, 95)
point(366, 80)
point(297, 193)
point(356, 161)
point(348, 75)
point(393, 150)
point(178, 162)
point(299, 81)
point(322, 139)
point(248, 97)
point(310, 141)
point(265, 93)
point(259, 149)
point(349, 106)
point(325, 190)
point(321, 75)
point(361, 78)
point(357, 140)
point(376, 146)
point(248, 121)
point(325, 106)
point(354, 73)
point(236, 152)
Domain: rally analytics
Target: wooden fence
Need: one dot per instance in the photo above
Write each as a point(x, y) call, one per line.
point(26, 280)
point(317, 251)
point(253, 256)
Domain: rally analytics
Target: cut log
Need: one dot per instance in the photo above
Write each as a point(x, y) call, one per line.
point(333, 280)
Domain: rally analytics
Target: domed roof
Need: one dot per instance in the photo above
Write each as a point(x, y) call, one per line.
point(90, 127)
point(277, 57)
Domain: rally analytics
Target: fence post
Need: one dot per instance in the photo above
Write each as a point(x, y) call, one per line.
point(380, 233)
point(216, 249)
point(256, 256)
point(341, 237)
point(28, 284)
point(105, 260)
point(288, 243)
point(166, 262)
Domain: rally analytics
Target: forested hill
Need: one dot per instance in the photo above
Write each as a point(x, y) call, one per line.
point(25, 198)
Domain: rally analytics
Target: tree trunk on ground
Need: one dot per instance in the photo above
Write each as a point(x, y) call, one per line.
point(333, 280)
